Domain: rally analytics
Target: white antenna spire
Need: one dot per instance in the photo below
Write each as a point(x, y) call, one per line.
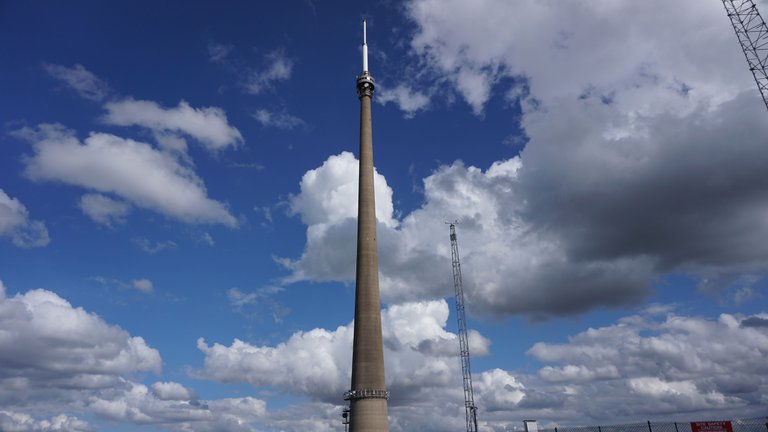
point(365, 50)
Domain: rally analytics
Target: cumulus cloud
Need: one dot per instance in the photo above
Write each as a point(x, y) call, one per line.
point(277, 119)
point(55, 357)
point(423, 371)
point(648, 365)
point(132, 170)
point(648, 152)
point(409, 101)
point(755, 321)
point(329, 193)
point(327, 204)
point(20, 422)
point(104, 210)
point(81, 80)
point(641, 366)
point(660, 365)
point(647, 161)
point(498, 245)
point(475, 47)
point(135, 403)
point(209, 125)
point(53, 351)
point(44, 333)
point(173, 391)
point(498, 390)
point(420, 356)
point(678, 190)
point(15, 224)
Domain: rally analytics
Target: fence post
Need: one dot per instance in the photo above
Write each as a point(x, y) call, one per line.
point(599, 429)
point(676, 427)
point(649, 426)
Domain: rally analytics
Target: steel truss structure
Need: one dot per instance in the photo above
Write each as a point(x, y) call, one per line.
point(469, 395)
point(752, 33)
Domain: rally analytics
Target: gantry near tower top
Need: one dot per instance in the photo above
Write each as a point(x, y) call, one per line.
point(365, 82)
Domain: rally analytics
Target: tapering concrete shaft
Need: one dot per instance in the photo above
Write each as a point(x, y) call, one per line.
point(368, 401)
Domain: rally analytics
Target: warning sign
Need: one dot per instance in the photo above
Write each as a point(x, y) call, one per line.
point(711, 426)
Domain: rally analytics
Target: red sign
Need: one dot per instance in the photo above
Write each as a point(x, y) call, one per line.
point(711, 426)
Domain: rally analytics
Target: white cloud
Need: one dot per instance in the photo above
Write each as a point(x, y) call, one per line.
point(133, 170)
point(498, 245)
point(656, 365)
point(279, 120)
point(660, 46)
point(631, 161)
point(277, 67)
point(84, 82)
point(410, 101)
point(329, 193)
point(11, 421)
point(571, 373)
point(305, 364)
point(660, 365)
point(327, 203)
point(208, 125)
point(15, 223)
point(207, 238)
point(422, 364)
point(643, 162)
point(58, 358)
point(498, 390)
point(143, 285)
point(135, 403)
point(239, 299)
point(151, 247)
point(218, 52)
point(62, 344)
point(242, 409)
point(647, 366)
point(103, 209)
point(173, 391)
point(54, 353)
point(633, 156)
point(258, 303)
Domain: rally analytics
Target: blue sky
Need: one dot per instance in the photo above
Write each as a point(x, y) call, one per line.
point(177, 212)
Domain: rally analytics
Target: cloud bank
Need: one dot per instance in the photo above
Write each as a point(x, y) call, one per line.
point(646, 161)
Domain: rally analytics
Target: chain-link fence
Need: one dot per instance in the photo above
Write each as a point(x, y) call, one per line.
point(759, 424)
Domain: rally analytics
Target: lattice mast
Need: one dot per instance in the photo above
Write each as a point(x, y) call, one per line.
point(752, 33)
point(469, 394)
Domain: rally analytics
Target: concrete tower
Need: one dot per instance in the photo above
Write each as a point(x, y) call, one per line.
point(368, 397)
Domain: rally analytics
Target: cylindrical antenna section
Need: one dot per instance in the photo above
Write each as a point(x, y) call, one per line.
point(365, 50)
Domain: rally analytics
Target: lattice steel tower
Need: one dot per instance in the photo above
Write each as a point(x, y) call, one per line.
point(469, 394)
point(753, 37)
